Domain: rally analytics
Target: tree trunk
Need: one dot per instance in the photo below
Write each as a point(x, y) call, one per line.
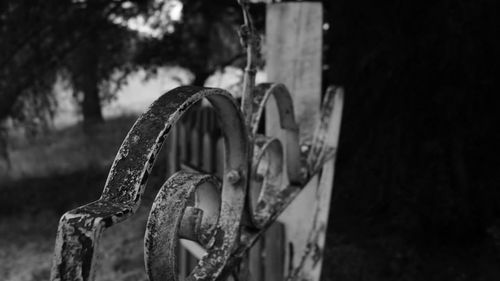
point(91, 105)
point(86, 81)
point(4, 152)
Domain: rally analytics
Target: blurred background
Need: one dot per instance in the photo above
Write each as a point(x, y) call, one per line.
point(417, 188)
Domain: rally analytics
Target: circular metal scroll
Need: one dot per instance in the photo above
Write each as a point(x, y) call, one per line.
point(284, 103)
point(266, 178)
point(187, 206)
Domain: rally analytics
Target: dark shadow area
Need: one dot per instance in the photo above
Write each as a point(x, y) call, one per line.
point(58, 193)
point(416, 191)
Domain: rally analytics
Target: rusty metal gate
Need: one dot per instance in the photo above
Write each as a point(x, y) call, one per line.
point(218, 216)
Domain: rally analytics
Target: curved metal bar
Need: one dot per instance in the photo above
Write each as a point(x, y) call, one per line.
point(326, 136)
point(283, 99)
point(287, 121)
point(80, 229)
point(165, 220)
point(266, 178)
point(323, 150)
point(321, 161)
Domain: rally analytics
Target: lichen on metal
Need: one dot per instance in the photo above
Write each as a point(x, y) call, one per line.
point(261, 176)
point(222, 233)
point(165, 221)
point(80, 229)
point(284, 102)
point(266, 178)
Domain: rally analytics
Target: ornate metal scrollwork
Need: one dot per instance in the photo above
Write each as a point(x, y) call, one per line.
point(261, 177)
point(80, 229)
point(187, 206)
point(193, 205)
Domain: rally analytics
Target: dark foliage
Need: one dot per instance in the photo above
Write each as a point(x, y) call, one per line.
point(41, 39)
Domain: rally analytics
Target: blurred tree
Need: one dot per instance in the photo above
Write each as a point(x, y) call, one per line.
point(42, 39)
point(103, 59)
point(89, 43)
point(83, 41)
point(203, 41)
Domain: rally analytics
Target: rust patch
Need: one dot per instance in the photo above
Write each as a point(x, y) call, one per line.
point(174, 213)
point(74, 253)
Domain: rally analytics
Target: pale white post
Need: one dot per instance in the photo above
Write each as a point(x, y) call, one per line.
point(293, 45)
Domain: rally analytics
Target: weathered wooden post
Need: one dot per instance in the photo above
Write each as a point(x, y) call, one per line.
point(294, 57)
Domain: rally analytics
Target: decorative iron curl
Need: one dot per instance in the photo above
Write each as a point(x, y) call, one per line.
point(80, 229)
point(286, 112)
point(221, 231)
point(186, 207)
point(276, 200)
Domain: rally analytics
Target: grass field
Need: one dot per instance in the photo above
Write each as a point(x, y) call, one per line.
point(67, 150)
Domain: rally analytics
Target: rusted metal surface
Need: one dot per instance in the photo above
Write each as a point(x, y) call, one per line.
point(184, 207)
point(326, 136)
point(280, 198)
point(321, 161)
point(79, 230)
point(232, 189)
point(176, 212)
point(266, 178)
point(251, 42)
point(287, 122)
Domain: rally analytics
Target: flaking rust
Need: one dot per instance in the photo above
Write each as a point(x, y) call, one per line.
point(253, 192)
point(80, 229)
point(226, 243)
point(164, 226)
point(174, 213)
